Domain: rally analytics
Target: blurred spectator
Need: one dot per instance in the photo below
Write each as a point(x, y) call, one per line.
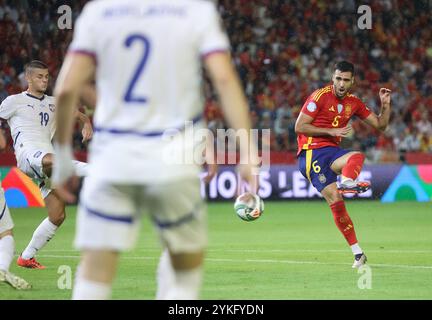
point(410, 141)
point(424, 126)
point(4, 8)
point(396, 127)
point(23, 26)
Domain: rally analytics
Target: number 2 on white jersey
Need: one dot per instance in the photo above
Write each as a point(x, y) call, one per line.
point(129, 96)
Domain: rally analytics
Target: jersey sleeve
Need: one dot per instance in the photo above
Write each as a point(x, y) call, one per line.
point(7, 109)
point(362, 110)
point(84, 41)
point(212, 37)
point(311, 106)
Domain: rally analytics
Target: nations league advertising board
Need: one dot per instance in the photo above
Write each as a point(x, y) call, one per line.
point(390, 182)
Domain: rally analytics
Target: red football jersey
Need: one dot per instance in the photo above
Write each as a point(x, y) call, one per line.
point(329, 111)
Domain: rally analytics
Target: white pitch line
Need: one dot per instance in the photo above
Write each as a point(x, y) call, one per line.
point(278, 250)
point(260, 261)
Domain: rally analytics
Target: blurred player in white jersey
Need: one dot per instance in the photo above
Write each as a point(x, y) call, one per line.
point(31, 117)
point(147, 58)
point(7, 243)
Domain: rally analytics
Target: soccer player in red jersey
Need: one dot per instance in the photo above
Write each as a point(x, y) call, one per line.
point(320, 127)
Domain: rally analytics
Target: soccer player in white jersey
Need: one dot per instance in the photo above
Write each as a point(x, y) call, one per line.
point(31, 117)
point(146, 57)
point(7, 243)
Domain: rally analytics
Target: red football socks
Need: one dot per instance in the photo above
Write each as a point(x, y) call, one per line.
point(354, 165)
point(343, 222)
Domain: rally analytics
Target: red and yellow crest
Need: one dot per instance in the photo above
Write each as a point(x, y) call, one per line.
point(348, 110)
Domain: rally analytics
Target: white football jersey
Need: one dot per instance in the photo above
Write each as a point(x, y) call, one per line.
point(148, 56)
point(31, 120)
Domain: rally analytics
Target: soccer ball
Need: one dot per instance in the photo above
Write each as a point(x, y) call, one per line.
point(249, 206)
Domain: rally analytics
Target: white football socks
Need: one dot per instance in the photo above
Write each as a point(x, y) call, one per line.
point(356, 249)
point(90, 290)
point(165, 276)
point(43, 233)
point(7, 250)
point(187, 285)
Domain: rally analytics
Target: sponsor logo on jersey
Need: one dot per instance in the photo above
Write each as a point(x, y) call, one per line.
point(332, 109)
point(31, 106)
point(311, 107)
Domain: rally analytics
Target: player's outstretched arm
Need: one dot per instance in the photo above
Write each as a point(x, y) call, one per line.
point(235, 110)
point(381, 121)
point(304, 126)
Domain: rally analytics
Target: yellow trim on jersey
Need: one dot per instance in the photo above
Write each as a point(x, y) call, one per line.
point(325, 91)
point(308, 164)
point(318, 92)
point(307, 144)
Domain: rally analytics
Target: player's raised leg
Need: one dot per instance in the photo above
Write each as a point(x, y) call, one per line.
point(47, 163)
point(7, 248)
point(44, 232)
point(349, 167)
point(343, 222)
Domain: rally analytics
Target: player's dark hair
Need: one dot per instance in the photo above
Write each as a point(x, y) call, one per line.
point(35, 64)
point(344, 66)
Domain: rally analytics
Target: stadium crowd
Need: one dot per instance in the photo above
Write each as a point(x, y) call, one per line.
point(283, 50)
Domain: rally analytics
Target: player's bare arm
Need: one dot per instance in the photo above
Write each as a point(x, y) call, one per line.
point(2, 139)
point(89, 95)
point(304, 126)
point(87, 129)
point(381, 121)
point(77, 70)
point(234, 106)
point(210, 159)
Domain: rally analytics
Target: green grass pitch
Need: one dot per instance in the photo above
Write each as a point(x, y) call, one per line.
point(294, 251)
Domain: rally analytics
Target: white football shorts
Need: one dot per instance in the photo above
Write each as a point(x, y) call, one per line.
point(30, 162)
point(109, 215)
